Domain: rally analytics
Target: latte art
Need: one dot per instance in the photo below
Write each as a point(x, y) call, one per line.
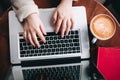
point(102, 27)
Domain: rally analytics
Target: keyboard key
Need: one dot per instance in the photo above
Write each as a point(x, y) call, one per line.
point(55, 45)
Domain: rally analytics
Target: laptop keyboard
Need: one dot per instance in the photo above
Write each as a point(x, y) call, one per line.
point(54, 45)
point(54, 73)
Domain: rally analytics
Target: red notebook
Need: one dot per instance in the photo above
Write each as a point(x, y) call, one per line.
point(109, 62)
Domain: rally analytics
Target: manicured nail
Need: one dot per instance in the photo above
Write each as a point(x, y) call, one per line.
point(62, 36)
point(56, 32)
point(38, 46)
point(44, 41)
point(45, 33)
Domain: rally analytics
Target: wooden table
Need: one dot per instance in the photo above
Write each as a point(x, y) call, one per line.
point(92, 7)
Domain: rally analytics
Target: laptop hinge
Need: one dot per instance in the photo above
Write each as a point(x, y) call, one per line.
point(50, 61)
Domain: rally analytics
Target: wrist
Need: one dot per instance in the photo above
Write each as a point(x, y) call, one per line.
point(31, 16)
point(66, 2)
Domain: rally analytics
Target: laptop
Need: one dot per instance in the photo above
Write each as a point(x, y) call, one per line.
point(57, 52)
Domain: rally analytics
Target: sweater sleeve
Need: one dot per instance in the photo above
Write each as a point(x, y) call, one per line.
point(23, 8)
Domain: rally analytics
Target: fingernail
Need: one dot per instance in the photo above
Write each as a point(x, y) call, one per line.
point(56, 32)
point(45, 33)
point(62, 36)
point(33, 45)
point(38, 46)
point(44, 41)
point(67, 33)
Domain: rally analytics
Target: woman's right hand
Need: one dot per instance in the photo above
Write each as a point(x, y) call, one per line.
point(34, 27)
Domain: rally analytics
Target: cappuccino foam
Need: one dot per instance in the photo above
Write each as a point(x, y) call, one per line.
point(103, 27)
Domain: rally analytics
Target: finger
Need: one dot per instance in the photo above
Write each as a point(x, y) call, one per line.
point(54, 17)
point(40, 35)
point(42, 28)
point(34, 38)
point(68, 26)
point(58, 24)
point(30, 39)
point(63, 27)
point(25, 36)
point(72, 23)
point(25, 32)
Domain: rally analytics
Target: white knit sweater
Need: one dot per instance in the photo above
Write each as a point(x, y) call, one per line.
point(23, 8)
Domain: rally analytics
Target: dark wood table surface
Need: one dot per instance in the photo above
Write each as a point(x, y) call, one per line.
point(93, 8)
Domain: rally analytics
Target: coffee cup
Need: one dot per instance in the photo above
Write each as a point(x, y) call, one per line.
point(103, 27)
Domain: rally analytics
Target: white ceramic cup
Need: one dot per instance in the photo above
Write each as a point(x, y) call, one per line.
point(103, 27)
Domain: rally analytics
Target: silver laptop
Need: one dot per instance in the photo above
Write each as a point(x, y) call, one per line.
point(15, 29)
point(75, 45)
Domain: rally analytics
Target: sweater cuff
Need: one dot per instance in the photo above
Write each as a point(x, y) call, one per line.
point(26, 11)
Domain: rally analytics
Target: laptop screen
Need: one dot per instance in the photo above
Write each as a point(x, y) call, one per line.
point(84, 70)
